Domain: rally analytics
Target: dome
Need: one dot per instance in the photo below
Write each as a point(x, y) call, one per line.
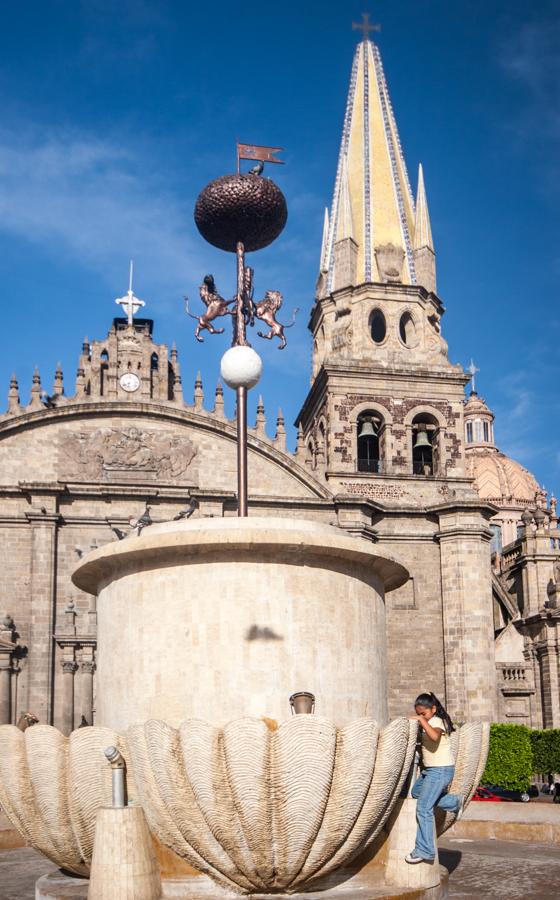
point(479, 422)
point(500, 479)
point(476, 404)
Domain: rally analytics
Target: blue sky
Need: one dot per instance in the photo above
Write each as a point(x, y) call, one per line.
point(116, 114)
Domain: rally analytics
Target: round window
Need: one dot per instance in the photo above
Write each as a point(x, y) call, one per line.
point(378, 326)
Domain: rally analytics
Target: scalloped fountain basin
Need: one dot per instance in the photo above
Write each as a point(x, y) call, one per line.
point(259, 810)
point(217, 618)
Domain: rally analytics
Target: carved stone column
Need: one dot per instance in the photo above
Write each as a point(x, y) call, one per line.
point(42, 595)
point(69, 667)
point(7, 646)
point(468, 627)
point(5, 684)
point(87, 668)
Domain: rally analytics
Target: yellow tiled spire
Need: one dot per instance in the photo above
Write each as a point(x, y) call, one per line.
point(422, 227)
point(345, 219)
point(325, 243)
point(372, 184)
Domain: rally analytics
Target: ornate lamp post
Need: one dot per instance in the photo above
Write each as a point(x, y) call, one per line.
point(241, 213)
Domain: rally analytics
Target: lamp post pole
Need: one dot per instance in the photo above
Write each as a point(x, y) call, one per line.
point(240, 214)
point(242, 506)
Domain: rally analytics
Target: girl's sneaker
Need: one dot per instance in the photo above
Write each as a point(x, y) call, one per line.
point(413, 859)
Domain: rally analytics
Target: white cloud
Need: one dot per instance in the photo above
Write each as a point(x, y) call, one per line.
point(530, 57)
point(97, 200)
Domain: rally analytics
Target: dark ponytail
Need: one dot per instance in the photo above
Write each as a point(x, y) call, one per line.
point(427, 700)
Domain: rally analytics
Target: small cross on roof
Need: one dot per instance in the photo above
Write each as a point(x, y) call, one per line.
point(472, 369)
point(365, 26)
point(129, 302)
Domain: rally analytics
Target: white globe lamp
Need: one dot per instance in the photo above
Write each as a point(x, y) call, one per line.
point(241, 367)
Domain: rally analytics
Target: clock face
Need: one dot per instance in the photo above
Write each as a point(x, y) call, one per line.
point(129, 382)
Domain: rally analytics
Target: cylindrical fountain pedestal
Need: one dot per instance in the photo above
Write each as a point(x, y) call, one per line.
point(220, 618)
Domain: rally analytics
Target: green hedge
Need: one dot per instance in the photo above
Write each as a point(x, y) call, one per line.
point(545, 746)
point(510, 757)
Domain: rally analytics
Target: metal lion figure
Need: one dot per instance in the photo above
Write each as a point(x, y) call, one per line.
point(216, 306)
point(266, 311)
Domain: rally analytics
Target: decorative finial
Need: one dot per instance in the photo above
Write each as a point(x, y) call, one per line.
point(36, 390)
point(80, 381)
point(13, 395)
point(219, 401)
point(198, 393)
point(300, 445)
point(130, 303)
point(472, 369)
point(280, 439)
point(365, 26)
point(58, 387)
point(260, 422)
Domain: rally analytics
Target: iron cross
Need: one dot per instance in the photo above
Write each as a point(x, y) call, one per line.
point(130, 303)
point(473, 370)
point(365, 26)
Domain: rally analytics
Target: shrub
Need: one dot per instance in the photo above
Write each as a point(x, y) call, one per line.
point(510, 757)
point(545, 746)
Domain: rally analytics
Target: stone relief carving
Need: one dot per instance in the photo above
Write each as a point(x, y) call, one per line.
point(341, 338)
point(435, 343)
point(389, 260)
point(112, 454)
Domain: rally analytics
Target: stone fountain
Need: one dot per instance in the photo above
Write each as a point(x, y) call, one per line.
point(205, 628)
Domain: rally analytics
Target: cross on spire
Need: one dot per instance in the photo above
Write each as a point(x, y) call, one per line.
point(472, 369)
point(365, 26)
point(130, 303)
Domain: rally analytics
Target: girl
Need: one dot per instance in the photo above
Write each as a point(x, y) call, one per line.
point(438, 768)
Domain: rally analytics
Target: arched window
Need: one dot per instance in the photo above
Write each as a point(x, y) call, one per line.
point(103, 370)
point(322, 444)
point(477, 431)
point(154, 370)
point(370, 439)
point(496, 543)
point(486, 428)
point(378, 326)
point(425, 445)
point(469, 433)
point(407, 329)
point(311, 458)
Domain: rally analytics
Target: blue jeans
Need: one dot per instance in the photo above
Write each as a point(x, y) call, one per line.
point(430, 791)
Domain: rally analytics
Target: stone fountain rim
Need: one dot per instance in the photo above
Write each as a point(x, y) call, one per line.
point(198, 536)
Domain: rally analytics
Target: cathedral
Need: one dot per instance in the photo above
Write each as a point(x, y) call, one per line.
point(389, 448)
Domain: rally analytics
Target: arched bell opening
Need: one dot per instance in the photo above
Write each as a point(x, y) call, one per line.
point(371, 441)
point(103, 371)
point(154, 372)
point(425, 445)
point(311, 457)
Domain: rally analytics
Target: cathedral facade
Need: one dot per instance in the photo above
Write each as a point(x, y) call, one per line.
point(388, 448)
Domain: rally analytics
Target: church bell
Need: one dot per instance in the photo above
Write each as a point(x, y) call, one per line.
point(367, 429)
point(422, 440)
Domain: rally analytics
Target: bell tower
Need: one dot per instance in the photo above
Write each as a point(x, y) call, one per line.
point(381, 374)
point(383, 420)
point(128, 365)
